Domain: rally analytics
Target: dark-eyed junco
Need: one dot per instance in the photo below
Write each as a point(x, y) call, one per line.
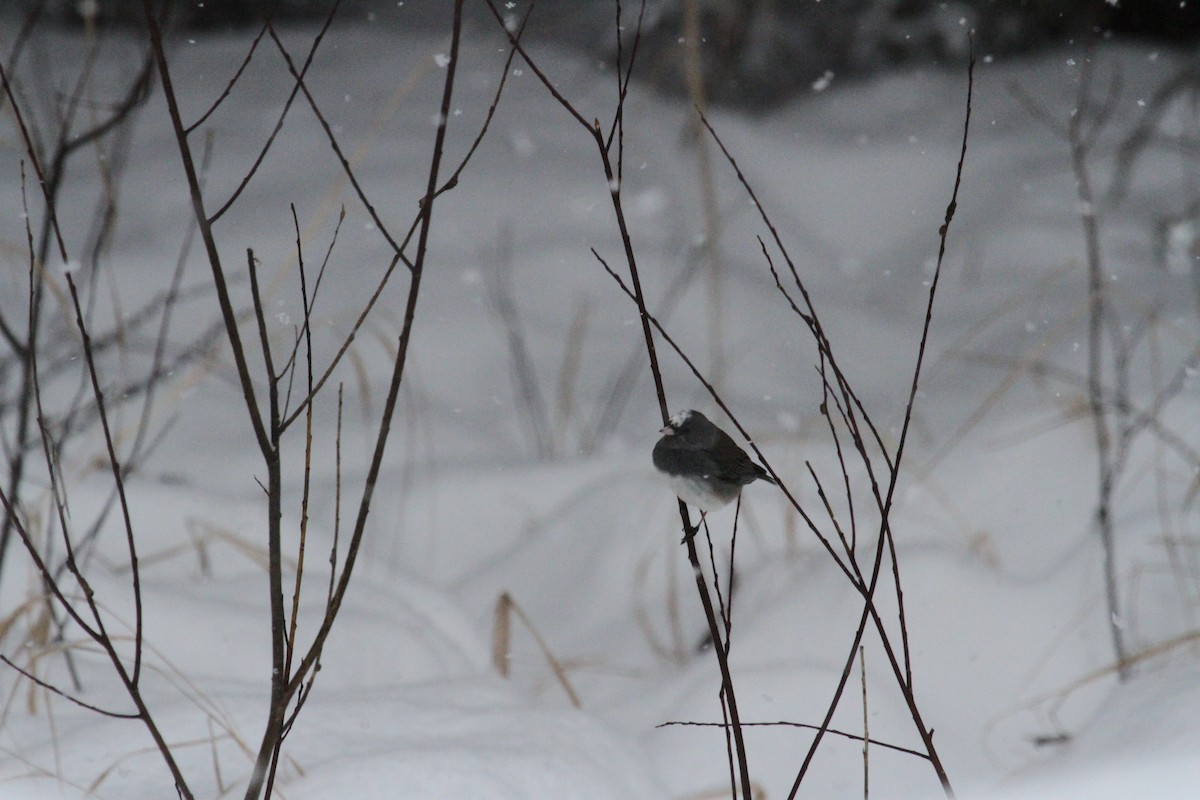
point(704, 466)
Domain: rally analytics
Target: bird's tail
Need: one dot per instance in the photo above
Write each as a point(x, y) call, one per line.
point(763, 475)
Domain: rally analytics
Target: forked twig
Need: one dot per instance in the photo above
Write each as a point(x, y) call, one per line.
point(287, 106)
point(344, 348)
point(850, 407)
point(612, 175)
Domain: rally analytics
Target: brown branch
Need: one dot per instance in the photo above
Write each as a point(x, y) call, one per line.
point(612, 178)
point(314, 652)
point(98, 633)
point(398, 257)
point(666, 337)
point(268, 755)
point(118, 482)
point(287, 106)
point(537, 70)
point(228, 316)
point(1108, 468)
point(804, 725)
point(232, 82)
point(809, 317)
point(64, 695)
point(902, 672)
point(31, 151)
point(333, 143)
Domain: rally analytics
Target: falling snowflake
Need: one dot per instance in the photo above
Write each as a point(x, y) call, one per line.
point(822, 83)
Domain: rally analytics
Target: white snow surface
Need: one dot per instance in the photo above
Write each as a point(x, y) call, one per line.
point(1001, 568)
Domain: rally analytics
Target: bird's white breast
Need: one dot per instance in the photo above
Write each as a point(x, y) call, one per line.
point(695, 492)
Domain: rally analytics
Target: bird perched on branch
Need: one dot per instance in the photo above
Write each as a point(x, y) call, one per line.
point(704, 466)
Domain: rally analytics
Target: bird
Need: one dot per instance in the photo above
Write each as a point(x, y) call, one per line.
point(703, 465)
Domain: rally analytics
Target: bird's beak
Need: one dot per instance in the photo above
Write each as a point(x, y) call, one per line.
point(667, 431)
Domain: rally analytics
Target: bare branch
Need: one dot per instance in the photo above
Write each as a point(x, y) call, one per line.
point(54, 689)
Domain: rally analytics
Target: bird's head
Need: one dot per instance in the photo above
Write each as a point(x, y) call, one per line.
point(682, 421)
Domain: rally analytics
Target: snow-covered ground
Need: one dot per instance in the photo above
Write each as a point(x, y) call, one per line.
point(1012, 660)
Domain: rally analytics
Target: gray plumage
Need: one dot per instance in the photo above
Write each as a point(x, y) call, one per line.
point(704, 466)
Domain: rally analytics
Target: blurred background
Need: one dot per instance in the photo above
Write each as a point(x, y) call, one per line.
point(760, 52)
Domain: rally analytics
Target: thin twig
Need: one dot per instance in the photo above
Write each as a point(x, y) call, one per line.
point(1079, 142)
point(398, 257)
point(298, 75)
point(232, 82)
point(866, 739)
point(118, 482)
point(228, 316)
point(31, 153)
point(670, 341)
point(612, 173)
point(372, 476)
point(834, 731)
point(54, 689)
point(287, 106)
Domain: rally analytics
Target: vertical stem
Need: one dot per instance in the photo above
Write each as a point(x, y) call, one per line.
point(694, 74)
point(614, 182)
point(206, 233)
point(1097, 314)
point(425, 220)
point(862, 660)
point(710, 613)
point(277, 709)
